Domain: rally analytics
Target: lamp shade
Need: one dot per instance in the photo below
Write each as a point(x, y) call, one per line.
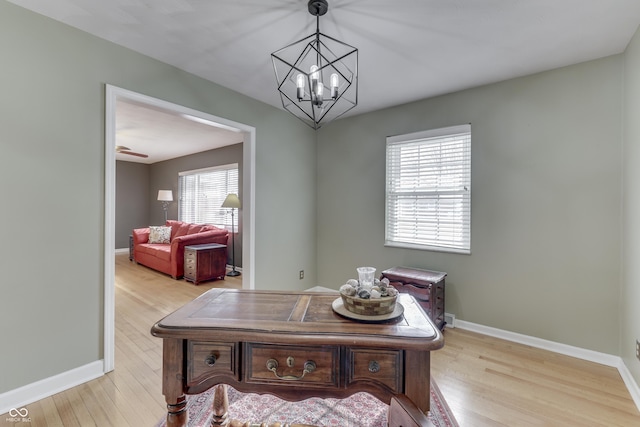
point(165, 195)
point(231, 201)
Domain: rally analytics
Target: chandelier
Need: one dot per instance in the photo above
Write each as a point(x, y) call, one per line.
point(317, 76)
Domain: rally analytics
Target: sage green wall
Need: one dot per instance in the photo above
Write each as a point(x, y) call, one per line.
point(630, 296)
point(546, 202)
point(52, 166)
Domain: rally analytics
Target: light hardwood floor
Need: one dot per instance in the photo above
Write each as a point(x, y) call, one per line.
point(491, 382)
point(486, 381)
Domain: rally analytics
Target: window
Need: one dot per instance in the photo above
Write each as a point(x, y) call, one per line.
point(428, 195)
point(201, 193)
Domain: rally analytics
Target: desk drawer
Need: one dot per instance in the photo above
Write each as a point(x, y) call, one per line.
point(381, 366)
point(211, 359)
point(289, 363)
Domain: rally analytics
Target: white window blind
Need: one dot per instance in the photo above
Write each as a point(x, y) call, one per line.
point(428, 195)
point(202, 192)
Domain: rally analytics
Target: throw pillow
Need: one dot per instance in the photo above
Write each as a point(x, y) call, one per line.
point(159, 234)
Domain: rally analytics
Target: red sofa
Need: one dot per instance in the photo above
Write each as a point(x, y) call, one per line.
point(169, 257)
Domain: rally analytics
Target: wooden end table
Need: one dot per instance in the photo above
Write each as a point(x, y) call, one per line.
point(292, 345)
point(205, 262)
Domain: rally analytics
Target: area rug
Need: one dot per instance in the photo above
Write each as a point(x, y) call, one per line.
point(358, 410)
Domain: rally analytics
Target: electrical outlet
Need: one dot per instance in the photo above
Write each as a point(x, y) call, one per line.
point(301, 274)
point(638, 349)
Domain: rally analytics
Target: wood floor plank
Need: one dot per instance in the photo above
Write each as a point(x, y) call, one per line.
point(65, 410)
point(129, 409)
point(79, 408)
point(98, 403)
point(51, 414)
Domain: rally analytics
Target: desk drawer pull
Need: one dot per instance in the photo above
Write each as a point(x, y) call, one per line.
point(309, 366)
point(374, 366)
point(210, 361)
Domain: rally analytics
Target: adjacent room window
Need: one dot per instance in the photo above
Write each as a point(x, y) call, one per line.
point(202, 191)
point(428, 195)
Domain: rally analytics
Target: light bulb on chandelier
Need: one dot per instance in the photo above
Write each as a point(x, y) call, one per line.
point(317, 87)
point(334, 85)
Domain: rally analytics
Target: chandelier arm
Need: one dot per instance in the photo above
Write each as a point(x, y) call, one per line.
point(333, 102)
point(298, 106)
point(338, 115)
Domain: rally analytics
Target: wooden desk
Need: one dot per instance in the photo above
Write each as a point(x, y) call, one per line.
point(294, 346)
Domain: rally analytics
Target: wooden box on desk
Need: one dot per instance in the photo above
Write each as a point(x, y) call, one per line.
point(425, 285)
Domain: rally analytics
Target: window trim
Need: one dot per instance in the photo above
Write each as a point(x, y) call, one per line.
point(414, 137)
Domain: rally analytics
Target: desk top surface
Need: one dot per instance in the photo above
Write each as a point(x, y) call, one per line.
point(295, 318)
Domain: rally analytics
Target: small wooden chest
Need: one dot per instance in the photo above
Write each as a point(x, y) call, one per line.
point(426, 286)
point(205, 262)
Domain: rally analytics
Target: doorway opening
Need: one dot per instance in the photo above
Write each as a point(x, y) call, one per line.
point(248, 133)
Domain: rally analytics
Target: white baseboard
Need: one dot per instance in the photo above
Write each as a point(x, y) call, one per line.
point(630, 382)
point(22, 396)
point(567, 350)
point(122, 251)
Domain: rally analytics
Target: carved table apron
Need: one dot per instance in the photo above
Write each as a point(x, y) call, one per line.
point(292, 345)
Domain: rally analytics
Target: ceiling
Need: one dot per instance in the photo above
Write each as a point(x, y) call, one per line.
point(408, 49)
point(163, 134)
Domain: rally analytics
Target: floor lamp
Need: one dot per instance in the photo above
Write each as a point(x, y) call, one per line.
point(232, 202)
point(165, 196)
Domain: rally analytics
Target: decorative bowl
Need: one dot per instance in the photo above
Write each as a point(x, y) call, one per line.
point(370, 306)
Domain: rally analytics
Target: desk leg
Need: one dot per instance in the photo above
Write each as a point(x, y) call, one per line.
point(220, 405)
point(417, 378)
point(404, 413)
point(177, 415)
point(172, 383)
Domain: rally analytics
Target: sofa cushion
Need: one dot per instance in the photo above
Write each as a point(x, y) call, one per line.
point(182, 230)
point(159, 234)
point(175, 225)
point(160, 251)
point(194, 228)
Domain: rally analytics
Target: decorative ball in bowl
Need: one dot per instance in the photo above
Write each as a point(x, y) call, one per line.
point(376, 300)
